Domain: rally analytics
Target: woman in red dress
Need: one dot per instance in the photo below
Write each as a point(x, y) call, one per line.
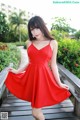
point(40, 83)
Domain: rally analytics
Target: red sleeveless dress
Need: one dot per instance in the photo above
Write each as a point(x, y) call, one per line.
point(37, 84)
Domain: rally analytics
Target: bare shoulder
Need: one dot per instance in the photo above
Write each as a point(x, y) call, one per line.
point(54, 44)
point(28, 43)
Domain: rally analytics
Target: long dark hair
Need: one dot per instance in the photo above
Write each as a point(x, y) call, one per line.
point(37, 22)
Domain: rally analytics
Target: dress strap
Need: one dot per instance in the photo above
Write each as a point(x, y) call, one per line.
point(49, 42)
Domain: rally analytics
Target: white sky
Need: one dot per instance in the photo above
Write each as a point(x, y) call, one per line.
point(48, 10)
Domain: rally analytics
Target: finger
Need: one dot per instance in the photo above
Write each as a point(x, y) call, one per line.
point(10, 68)
point(67, 87)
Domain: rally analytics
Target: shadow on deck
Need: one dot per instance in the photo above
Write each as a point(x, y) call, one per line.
point(21, 110)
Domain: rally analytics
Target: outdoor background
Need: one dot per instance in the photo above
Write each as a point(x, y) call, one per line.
point(61, 18)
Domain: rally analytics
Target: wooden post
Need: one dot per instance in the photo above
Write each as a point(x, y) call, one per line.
point(77, 104)
point(5, 94)
point(0, 101)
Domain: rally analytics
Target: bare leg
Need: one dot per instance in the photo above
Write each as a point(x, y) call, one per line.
point(37, 114)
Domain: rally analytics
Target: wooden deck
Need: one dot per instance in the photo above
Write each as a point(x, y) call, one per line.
point(20, 110)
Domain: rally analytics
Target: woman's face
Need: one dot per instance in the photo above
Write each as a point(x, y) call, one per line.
point(36, 32)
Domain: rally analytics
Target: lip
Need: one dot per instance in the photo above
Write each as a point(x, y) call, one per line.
point(36, 35)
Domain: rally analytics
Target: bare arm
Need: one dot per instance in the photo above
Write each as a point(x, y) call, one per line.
point(54, 65)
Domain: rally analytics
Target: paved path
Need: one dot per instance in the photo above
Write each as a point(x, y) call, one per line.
point(24, 57)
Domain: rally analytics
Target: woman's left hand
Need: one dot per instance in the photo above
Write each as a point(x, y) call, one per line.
point(64, 86)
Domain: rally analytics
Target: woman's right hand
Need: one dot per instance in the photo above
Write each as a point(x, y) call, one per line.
point(13, 70)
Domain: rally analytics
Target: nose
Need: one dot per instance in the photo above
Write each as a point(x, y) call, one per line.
point(35, 30)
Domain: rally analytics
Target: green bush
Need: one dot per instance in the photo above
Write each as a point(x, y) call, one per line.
point(19, 43)
point(69, 55)
point(3, 46)
point(59, 35)
point(10, 55)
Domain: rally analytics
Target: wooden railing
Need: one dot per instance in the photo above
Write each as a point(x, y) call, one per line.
point(74, 84)
point(3, 90)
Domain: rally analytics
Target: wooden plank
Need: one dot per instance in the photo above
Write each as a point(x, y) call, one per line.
point(67, 119)
point(3, 74)
point(11, 107)
point(59, 116)
point(47, 116)
point(29, 108)
point(11, 100)
point(68, 102)
point(31, 118)
point(12, 97)
point(73, 79)
point(21, 110)
point(26, 105)
point(45, 111)
point(21, 118)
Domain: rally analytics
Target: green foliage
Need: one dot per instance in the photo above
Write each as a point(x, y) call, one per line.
point(17, 21)
point(56, 34)
point(60, 24)
point(11, 55)
point(4, 29)
point(77, 34)
point(69, 55)
point(3, 46)
point(11, 37)
point(15, 30)
point(59, 35)
point(24, 34)
point(19, 43)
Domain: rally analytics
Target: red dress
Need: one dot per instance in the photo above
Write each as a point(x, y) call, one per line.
point(37, 84)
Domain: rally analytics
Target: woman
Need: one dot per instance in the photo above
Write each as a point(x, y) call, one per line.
point(40, 83)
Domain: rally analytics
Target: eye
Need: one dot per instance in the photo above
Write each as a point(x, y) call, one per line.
point(32, 29)
point(37, 27)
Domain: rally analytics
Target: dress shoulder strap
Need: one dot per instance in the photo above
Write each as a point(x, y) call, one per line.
point(49, 42)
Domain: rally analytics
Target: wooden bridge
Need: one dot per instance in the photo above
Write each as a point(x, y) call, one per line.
point(17, 109)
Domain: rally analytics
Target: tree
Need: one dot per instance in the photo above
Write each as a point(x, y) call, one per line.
point(61, 25)
point(3, 27)
point(17, 20)
point(77, 34)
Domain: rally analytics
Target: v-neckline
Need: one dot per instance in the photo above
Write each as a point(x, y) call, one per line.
point(40, 48)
